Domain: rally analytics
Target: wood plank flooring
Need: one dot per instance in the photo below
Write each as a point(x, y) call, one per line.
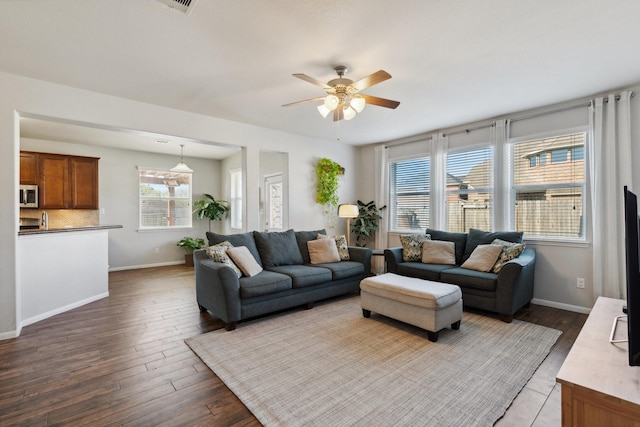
point(122, 361)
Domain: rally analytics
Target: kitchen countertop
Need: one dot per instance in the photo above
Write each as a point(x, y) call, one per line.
point(67, 229)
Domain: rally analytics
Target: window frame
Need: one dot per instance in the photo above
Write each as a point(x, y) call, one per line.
point(141, 199)
point(392, 212)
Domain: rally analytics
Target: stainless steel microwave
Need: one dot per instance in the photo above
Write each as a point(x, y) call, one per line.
point(28, 196)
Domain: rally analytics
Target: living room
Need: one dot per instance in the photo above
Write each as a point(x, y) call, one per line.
point(27, 95)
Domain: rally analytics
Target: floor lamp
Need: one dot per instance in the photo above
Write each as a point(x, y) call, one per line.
point(348, 211)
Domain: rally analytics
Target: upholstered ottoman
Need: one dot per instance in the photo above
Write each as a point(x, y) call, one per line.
point(428, 305)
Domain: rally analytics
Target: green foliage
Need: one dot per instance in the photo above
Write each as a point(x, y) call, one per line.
point(366, 223)
point(327, 172)
point(210, 208)
point(190, 244)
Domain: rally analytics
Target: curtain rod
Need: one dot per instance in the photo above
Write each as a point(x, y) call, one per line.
point(531, 116)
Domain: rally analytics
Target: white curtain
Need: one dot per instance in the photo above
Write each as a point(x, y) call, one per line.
point(382, 190)
point(502, 176)
point(610, 168)
point(438, 197)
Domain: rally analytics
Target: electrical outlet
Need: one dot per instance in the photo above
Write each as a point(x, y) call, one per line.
point(580, 282)
point(158, 251)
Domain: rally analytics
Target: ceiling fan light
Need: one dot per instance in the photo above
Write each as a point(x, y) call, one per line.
point(331, 102)
point(348, 113)
point(323, 110)
point(357, 103)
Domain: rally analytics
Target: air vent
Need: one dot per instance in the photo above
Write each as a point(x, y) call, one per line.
point(181, 5)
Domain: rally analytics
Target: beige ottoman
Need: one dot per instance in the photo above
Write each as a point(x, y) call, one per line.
point(428, 305)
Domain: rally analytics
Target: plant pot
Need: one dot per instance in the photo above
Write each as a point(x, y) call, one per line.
point(188, 260)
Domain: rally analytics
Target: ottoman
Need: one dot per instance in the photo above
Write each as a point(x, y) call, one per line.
point(428, 305)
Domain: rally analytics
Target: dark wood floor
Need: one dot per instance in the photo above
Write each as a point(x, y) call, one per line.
point(123, 361)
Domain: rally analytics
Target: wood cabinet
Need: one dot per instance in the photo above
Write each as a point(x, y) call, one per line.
point(28, 168)
point(66, 182)
point(599, 388)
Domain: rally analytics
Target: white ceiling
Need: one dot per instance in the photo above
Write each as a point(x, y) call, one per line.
point(452, 62)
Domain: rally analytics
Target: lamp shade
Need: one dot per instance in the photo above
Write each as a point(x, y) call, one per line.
point(357, 103)
point(182, 166)
point(331, 102)
point(348, 211)
point(348, 112)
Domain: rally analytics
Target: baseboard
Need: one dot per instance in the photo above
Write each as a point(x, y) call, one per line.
point(8, 335)
point(136, 267)
point(561, 306)
point(59, 310)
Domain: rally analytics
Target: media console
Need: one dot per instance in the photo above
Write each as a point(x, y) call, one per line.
point(598, 386)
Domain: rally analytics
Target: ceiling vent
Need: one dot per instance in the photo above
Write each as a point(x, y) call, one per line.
point(184, 6)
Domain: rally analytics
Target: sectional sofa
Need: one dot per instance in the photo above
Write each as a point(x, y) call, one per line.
point(504, 292)
point(288, 278)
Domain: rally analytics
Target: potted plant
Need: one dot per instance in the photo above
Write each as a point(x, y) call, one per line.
point(210, 208)
point(366, 223)
point(190, 244)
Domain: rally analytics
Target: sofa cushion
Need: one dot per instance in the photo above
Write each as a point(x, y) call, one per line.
point(322, 251)
point(412, 246)
point(302, 237)
point(459, 239)
point(304, 275)
point(509, 251)
point(344, 269)
point(242, 239)
point(277, 248)
point(265, 283)
point(438, 252)
point(341, 244)
point(422, 271)
point(218, 253)
point(483, 257)
point(244, 260)
point(466, 278)
point(477, 237)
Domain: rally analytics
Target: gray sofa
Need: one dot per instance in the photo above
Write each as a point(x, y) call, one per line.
point(504, 292)
point(288, 279)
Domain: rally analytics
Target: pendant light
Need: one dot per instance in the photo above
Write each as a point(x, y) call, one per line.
point(181, 167)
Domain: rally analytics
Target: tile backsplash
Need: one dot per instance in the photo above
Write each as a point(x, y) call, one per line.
point(60, 218)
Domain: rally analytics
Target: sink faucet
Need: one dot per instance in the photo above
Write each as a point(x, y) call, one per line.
point(45, 220)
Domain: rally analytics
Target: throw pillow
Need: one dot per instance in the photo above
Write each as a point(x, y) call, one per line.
point(242, 239)
point(341, 244)
point(412, 246)
point(243, 258)
point(218, 253)
point(509, 251)
point(322, 251)
point(477, 237)
point(483, 258)
point(278, 248)
point(302, 237)
point(438, 252)
point(459, 239)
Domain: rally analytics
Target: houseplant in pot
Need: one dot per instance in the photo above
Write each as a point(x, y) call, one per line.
point(365, 224)
point(190, 244)
point(210, 208)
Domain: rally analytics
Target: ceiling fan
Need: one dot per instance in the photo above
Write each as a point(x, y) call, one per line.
point(343, 95)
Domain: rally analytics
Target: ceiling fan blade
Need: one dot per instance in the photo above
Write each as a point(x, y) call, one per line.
point(338, 114)
point(312, 80)
point(380, 102)
point(370, 80)
point(318, 98)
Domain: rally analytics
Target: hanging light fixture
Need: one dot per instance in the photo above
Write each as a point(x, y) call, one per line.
point(351, 105)
point(181, 167)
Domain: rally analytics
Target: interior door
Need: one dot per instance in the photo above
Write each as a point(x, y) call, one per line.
point(273, 203)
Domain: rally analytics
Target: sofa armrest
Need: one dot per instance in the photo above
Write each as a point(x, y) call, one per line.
point(393, 257)
point(217, 287)
point(362, 255)
point(515, 283)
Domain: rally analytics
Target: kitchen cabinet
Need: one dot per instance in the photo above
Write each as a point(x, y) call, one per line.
point(68, 182)
point(28, 168)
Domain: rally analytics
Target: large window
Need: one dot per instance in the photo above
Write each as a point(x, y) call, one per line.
point(165, 199)
point(469, 189)
point(549, 183)
point(409, 202)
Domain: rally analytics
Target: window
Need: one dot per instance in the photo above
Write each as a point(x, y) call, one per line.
point(409, 198)
point(469, 189)
point(236, 198)
point(550, 197)
point(165, 199)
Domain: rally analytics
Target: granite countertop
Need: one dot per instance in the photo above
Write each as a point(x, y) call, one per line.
point(68, 229)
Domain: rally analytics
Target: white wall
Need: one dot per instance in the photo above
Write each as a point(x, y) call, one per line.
point(558, 265)
point(22, 94)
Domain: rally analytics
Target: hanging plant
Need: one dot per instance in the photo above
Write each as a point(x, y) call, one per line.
point(327, 173)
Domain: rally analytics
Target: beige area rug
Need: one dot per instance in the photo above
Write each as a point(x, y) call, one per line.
point(329, 366)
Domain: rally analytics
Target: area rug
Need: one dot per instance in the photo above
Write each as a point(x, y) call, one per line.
point(330, 366)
